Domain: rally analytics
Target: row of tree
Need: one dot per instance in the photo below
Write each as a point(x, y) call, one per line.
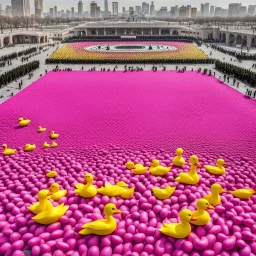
point(138, 61)
point(241, 74)
point(239, 56)
point(14, 74)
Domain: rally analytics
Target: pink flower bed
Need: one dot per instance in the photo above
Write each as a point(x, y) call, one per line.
point(105, 119)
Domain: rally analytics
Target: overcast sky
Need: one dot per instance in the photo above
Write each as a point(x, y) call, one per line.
point(67, 4)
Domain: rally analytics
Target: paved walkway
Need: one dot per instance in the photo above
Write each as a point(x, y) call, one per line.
point(13, 87)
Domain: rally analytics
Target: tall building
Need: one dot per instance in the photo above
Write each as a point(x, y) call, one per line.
point(145, 8)
point(72, 11)
point(131, 11)
point(152, 9)
point(217, 12)
point(207, 10)
point(39, 8)
point(185, 11)
point(23, 8)
point(202, 9)
point(163, 12)
point(93, 9)
point(252, 10)
point(224, 12)
point(68, 12)
point(8, 10)
point(193, 12)
point(138, 10)
point(106, 5)
point(175, 11)
point(55, 11)
point(115, 8)
point(51, 12)
point(80, 8)
point(233, 10)
point(123, 10)
point(212, 11)
point(98, 12)
point(242, 11)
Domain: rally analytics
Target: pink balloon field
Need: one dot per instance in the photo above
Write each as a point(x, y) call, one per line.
point(105, 119)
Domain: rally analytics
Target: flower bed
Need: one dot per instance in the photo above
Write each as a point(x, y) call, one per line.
point(76, 51)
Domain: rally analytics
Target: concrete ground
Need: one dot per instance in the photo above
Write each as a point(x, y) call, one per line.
point(13, 87)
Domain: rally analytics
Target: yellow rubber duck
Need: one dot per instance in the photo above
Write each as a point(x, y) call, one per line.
point(87, 190)
point(51, 174)
point(120, 189)
point(136, 168)
point(51, 214)
point(54, 145)
point(218, 169)
point(8, 151)
point(55, 193)
point(102, 227)
point(202, 216)
point(178, 160)
point(191, 177)
point(29, 147)
point(179, 230)
point(157, 170)
point(43, 203)
point(214, 197)
point(46, 145)
point(54, 135)
point(163, 194)
point(41, 129)
point(24, 122)
point(244, 193)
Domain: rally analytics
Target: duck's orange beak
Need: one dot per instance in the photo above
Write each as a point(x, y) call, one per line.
point(225, 164)
point(193, 218)
point(117, 211)
point(85, 181)
point(223, 191)
point(197, 165)
point(210, 207)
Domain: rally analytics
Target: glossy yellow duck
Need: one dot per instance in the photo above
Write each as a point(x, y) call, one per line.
point(46, 145)
point(54, 135)
point(55, 193)
point(29, 147)
point(120, 189)
point(179, 230)
point(136, 168)
point(54, 144)
point(163, 194)
point(86, 190)
point(41, 129)
point(244, 193)
point(219, 169)
point(42, 204)
point(202, 216)
point(102, 227)
point(8, 151)
point(214, 197)
point(157, 170)
point(24, 122)
point(191, 177)
point(178, 160)
point(51, 174)
point(50, 215)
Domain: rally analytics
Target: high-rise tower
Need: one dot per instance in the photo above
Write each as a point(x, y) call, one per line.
point(106, 5)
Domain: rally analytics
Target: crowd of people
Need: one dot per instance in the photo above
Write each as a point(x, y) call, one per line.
point(239, 56)
point(15, 55)
point(14, 74)
point(244, 75)
point(135, 61)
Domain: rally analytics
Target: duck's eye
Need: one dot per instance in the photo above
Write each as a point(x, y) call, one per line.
point(189, 215)
point(206, 203)
point(113, 209)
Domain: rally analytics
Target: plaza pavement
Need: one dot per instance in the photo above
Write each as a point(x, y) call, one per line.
point(13, 87)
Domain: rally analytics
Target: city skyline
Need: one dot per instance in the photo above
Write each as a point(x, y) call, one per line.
point(66, 4)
